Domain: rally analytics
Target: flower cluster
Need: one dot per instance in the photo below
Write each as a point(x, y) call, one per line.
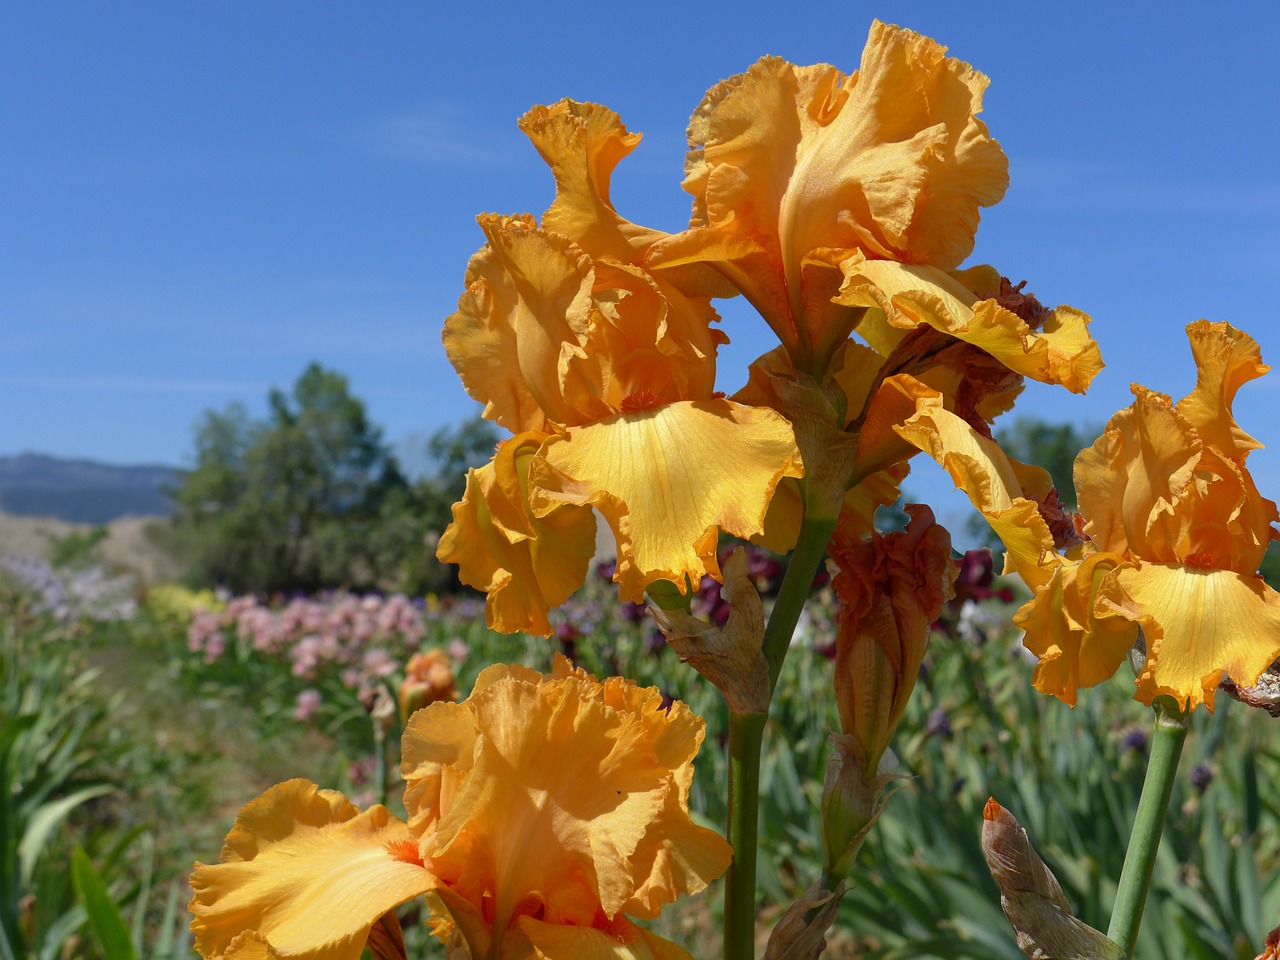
point(841, 207)
point(90, 592)
point(1165, 551)
point(360, 639)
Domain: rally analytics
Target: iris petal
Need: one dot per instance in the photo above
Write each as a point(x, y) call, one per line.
point(306, 871)
point(527, 565)
point(1205, 623)
point(667, 481)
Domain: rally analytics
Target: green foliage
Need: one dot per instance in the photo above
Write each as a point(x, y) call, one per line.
point(312, 498)
point(1270, 568)
point(49, 771)
point(105, 919)
point(76, 549)
point(284, 504)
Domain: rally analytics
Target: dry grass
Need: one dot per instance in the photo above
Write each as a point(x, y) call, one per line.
point(127, 547)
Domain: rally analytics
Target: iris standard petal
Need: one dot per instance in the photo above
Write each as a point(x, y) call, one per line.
point(1130, 482)
point(480, 341)
point(794, 168)
point(1226, 359)
point(556, 798)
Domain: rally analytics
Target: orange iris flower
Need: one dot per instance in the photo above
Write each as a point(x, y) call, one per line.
point(836, 203)
point(604, 371)
point(1172, 535)
point(544, 813)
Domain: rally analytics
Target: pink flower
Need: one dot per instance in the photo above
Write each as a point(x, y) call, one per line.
point(308, 703)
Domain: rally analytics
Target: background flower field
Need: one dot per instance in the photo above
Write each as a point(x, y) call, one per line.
point(132, 732)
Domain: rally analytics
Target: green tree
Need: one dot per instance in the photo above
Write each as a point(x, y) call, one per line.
point(444, 459)
point(311, 497)
point(290, 502)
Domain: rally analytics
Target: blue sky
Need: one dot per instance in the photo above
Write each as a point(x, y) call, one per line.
point(199, 199)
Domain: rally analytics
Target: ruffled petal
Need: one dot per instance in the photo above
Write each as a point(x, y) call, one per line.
point(1167, 482)
point(558, 798)
point(650, 343)
point(675, 857)
point(1226, 359)
point(1060, 351)
point(306, 871)
point(527, 564)
point(792, 168)
point(920, 108)
point(548, 281)
point(1203, 623)
point(667, 481)
point(583, 143)
point(250, 946)
point(1080, 624)
point(545, 336)
point(980, 468)
point(1129, 483)
point(481, 343)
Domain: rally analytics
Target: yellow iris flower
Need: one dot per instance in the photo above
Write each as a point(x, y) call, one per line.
point(545, 811)
point(1172, 535)
point(605, 372)
point(836, 203)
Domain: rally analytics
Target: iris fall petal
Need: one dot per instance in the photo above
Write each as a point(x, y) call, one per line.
point(527, 564)
point(308, 872)
point(1201, 624)
point(668, 480)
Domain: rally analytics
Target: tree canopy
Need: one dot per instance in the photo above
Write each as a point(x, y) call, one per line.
point(312, 497)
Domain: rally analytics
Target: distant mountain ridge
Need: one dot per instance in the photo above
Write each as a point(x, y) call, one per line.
point(83, 491)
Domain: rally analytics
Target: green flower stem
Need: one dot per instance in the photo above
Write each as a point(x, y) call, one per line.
point(746, 734)
point(380, 768)
point(794, 592)
point(1140, 857)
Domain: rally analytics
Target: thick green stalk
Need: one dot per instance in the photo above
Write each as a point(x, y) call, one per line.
point(1140, 857)
point(746, 734)
point(805, 560)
